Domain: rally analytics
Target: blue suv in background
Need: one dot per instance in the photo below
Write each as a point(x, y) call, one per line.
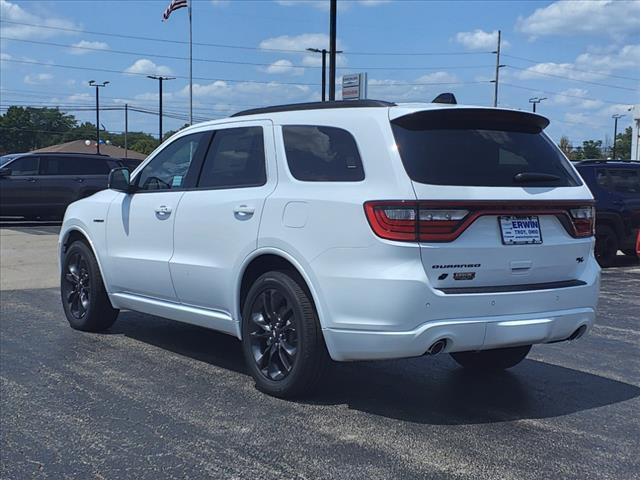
point(616, 188)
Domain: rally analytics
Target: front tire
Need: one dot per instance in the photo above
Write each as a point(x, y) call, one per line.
point(84, 297)
point(281, 337)
point(497, 359)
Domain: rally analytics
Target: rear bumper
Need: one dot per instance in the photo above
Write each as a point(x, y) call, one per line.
point(466, 334)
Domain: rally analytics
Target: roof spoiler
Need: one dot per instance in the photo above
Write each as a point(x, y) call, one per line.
point(449, 98)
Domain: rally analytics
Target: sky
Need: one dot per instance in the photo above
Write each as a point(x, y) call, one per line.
point(584, 57)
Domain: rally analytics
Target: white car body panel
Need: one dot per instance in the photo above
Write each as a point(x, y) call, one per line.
point(375, 298)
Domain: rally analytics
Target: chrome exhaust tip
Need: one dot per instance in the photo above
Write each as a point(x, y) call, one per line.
point(437, 347)
point(578, 333)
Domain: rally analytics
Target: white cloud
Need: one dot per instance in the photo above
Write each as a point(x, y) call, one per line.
point(438, 77)
point(81, 97)
point(147, 67)
point(423, 89)
point(574, 98)
point(84, 46)
point(249, 94)
point(480, 40)
point(38, 78)
point(284, 67)
point(298, 42)
point(587, 66)
point(5, 56)
point(15, 13)
point(596, 17)
point(324, 4)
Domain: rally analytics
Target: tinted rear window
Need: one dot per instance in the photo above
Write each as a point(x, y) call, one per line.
point(75, 166)
point(625, 181)
point(479, 148)
point(322, 154)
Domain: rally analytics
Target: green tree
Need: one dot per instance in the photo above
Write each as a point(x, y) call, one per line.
point(26, 128)
point(592, 149)
point(623, 144)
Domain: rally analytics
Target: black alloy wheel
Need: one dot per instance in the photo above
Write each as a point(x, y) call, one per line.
point(282, 341)
point(273, 334)
point(76, 286)
point(84, 297)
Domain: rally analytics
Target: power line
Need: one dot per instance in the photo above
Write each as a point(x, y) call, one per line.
point(240, 47)
point(106, 70)
point(560, 94)
point(558, 65)
point(232, 62)
point(572, 79)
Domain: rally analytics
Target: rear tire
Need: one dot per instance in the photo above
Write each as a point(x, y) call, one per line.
point(497, 359)
point(84, 297)
point(606, 246)
point(281, 337)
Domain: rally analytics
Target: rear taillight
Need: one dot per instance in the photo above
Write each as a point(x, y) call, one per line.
point(584, 221)
point(408, 221)
point(439, 221)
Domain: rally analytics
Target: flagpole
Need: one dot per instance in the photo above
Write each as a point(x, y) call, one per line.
point(190, 67)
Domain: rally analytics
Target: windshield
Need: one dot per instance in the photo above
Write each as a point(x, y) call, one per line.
point(6, 159)
point(480, 147)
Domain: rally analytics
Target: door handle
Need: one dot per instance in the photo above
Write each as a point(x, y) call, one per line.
point(163, 210)
point(78, 179)
point(244, 211)
point(32, 180)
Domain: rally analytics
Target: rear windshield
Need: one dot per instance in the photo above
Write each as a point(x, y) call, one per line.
point(478, 147)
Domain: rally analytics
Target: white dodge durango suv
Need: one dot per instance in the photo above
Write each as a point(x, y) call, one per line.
point(347, 231)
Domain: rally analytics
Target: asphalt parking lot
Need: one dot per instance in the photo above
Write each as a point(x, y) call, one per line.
point(153, 398)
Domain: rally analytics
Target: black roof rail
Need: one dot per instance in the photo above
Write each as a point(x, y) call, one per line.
point(293, 107)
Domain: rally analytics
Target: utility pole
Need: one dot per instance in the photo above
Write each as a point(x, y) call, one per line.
point(324, 68)
point(332, 49)
point(615, 132)
point(498, 67)
point(160, 79)
point(92, 83)
point(535, 101)
point(126, 130)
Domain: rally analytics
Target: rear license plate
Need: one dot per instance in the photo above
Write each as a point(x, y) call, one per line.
point(520, 230)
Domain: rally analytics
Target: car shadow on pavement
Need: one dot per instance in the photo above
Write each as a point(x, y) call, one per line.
point(430, 390)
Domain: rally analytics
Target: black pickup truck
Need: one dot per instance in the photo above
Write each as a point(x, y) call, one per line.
point(42, 185)
point(616, 187)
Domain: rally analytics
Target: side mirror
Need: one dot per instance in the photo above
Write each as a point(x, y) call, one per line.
point(119, 179)
point(5, 172)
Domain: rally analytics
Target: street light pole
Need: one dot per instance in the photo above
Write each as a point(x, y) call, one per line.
point(160, 79)
point(536, 100)
point(324, 68)
point(92, 83)
point(615, 132)
point(332, 50)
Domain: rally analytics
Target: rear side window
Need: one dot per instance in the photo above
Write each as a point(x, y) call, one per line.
point(477, 147)
point(322, 154)
point(235, 159)
point(24, 166)
point(625, 181)
point(74, 166)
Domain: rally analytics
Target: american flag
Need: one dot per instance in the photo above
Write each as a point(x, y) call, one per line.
point(174, 5)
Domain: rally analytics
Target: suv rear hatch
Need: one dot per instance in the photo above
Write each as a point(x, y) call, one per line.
point(499, 208)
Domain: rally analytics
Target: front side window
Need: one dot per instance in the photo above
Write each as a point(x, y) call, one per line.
point(322, 154)
point(625, 181)
point(470, 147)
point(24, 166)
point(235, 159)
point(168, 169)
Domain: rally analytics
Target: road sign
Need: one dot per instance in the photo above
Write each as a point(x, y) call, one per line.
point(354, 86)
